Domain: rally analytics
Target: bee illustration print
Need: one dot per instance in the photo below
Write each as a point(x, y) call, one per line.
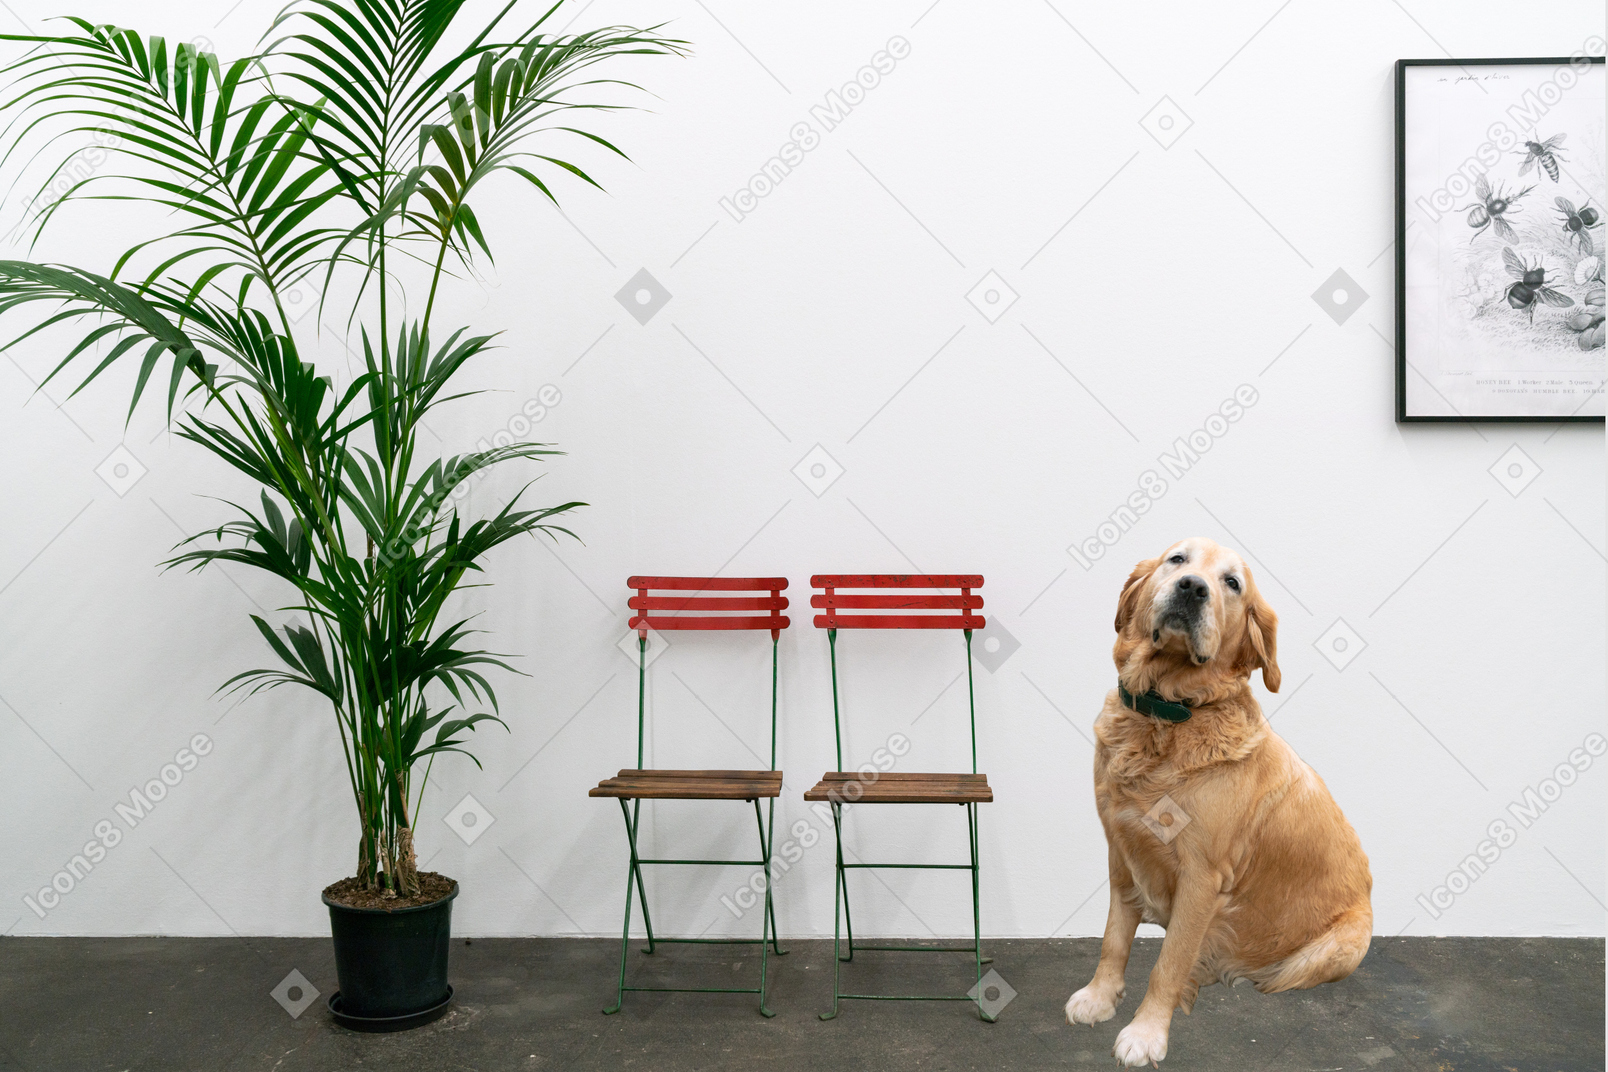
point(1576, 222)
point(1546, 153)
point(1491, 207)
point(1531, 285)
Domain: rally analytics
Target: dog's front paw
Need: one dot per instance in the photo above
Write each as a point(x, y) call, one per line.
point(1091, 1005)
point(1139, 1044)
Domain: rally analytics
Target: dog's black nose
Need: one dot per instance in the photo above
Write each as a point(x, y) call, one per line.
point(1192, 587)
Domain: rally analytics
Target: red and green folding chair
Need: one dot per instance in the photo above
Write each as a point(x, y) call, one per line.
point(692, 608)
point(900, 610)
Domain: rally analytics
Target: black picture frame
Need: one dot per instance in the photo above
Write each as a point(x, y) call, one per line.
point(1402, 416)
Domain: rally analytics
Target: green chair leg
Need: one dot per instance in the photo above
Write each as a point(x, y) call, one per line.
point(770, 904)
point(977, 881)
point(840, 920)
point(843, 880)
point(633, 873)
point(765, 913)
point(642, 890)
point(633, 879)
point(977, 915)
point(848, 916)
point(977, 849)
point(837, 916)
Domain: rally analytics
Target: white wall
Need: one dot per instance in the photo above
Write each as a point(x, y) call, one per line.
point(1153, 282)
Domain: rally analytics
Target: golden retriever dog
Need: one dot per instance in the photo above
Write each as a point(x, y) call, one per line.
point(1215, 828)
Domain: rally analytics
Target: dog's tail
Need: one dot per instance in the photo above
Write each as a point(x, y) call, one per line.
point(1331, 956)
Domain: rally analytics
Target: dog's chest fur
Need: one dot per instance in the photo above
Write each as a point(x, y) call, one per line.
point(1146, 768)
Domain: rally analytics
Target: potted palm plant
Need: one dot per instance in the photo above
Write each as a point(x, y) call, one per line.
point(343, 158)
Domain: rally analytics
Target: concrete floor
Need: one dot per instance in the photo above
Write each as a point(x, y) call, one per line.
point(178, 1004)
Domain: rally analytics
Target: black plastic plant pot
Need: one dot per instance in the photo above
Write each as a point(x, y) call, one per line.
point(392, 966)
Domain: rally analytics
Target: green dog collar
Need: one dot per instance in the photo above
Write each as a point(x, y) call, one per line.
point(1151, 703)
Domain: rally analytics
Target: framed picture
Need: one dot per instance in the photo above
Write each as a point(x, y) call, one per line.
point(1500, 239)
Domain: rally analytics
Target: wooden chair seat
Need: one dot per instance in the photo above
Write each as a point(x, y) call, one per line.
point(690, 785)
point(902, 788)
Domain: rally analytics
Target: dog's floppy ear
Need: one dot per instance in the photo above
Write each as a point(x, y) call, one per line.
point(1261, 647)
point(1128, 602)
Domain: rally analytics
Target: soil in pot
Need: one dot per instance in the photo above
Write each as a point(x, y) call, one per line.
point(433, 886)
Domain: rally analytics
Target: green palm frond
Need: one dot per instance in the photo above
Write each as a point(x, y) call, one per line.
point(482, 127)
point(206, 140)
point(356, 131)
point(376, 67)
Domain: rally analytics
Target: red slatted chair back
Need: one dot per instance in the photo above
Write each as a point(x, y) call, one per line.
point(901, 610)
point(691, 607)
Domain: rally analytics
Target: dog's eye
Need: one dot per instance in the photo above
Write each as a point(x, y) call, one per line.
point(1176, 559)
point(1232, 582)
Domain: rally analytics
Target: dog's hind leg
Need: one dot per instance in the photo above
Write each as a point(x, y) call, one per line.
point(1329, 957)
point(1098, 1001)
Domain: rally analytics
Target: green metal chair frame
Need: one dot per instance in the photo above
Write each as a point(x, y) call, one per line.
point(844, 787)
point(632, 786)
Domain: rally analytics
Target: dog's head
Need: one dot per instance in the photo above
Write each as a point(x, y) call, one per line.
point(1193, 615)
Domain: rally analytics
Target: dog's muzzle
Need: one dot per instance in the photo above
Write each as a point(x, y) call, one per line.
point(1183, 612)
